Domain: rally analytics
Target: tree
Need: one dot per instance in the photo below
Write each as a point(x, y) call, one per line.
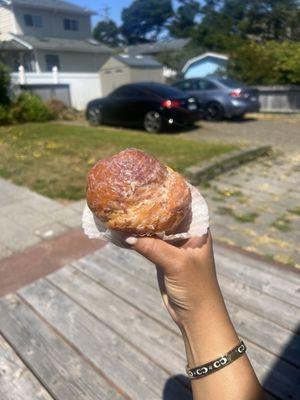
point(269, 63)
point(184, 19)
point(176, 59)
point(144, 20)
point(108, 33)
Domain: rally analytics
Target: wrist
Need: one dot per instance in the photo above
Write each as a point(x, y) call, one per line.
point(209, 332)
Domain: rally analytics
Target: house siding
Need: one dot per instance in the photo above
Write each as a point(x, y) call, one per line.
point(6, 20)
point(113, 74)
point(147, 75)
point(53, 25)
point(73, 61)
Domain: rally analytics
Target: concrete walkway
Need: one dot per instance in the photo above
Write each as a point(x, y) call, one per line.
point(27, 218)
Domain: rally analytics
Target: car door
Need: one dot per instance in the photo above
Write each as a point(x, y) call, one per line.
point(118, 105)
point(205, 90)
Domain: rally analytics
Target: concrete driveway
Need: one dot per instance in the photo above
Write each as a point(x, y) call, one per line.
point(281, 132)
point(256, 206)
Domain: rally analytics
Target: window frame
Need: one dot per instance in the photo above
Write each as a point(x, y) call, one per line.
point(70, 24)
point(33, 20)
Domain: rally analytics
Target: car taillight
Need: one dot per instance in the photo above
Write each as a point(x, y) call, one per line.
point(236, 93)
point(171, 103)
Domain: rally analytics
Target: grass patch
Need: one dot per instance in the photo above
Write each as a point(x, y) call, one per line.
point(295, 211)
point(53, 159)
point(283, 224)
point(247, 217)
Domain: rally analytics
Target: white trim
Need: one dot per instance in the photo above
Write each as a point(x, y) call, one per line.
point(204, 55)
point(21, 41)
point(14, 20)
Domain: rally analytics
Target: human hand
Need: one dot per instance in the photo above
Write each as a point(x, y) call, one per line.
point(186, 273)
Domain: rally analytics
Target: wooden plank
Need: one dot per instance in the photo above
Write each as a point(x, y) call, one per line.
point(141, 295)
point(125, 319)
point(260, 280)
point(280, 382)
point(128, 368)
point(237, 292)
point(16, 381)
point(268, 334)
point(60, 369)
point(287, 273)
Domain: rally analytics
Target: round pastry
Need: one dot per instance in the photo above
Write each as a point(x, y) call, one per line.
point(133, 192)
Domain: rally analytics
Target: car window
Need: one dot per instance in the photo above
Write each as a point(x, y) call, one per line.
point(184, 85)
point(202, 84)
point(231, 83)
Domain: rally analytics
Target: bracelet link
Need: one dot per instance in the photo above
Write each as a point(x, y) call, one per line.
point(217, 364)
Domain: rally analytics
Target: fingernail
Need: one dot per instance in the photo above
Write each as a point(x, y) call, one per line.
point(131, 240)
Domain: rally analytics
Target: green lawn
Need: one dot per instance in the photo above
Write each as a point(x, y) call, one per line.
point(53, 159)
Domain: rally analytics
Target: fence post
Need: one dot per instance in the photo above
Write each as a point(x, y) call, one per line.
point(55, 74)
point(22, 77)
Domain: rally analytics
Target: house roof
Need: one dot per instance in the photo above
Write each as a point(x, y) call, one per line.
point(11, 45)
point(138, 61)
point(58, 5)
point(201, 57)
point(59, 44)
point(157, 47)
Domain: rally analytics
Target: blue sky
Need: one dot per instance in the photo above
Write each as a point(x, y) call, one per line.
point(115, 7)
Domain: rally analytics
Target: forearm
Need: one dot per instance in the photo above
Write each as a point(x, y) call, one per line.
point(208, 335)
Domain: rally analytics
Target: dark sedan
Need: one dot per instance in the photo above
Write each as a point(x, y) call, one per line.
point(221, 97)
point(152, 105)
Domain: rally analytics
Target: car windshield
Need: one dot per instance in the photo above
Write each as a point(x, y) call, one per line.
point(231, 83)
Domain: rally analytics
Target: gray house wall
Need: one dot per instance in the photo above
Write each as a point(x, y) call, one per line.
point(53, 23)
point(73, 61)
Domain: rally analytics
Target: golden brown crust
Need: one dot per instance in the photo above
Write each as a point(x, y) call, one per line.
point(134, 193)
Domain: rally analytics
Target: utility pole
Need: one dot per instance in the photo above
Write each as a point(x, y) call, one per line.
point(104, 13)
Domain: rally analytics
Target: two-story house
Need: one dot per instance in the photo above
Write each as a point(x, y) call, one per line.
point(41, 34)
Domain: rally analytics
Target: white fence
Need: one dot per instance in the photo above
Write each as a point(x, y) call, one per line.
point(83, 87)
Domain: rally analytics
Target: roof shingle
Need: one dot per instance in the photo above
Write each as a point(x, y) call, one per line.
point(57, 44)
point(138, 61)
point(60, 5)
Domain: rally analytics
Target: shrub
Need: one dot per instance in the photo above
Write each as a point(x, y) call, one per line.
point(270, 63)
point(5, 115)
point(4, 84)
point(30, 108)
point(61, 110)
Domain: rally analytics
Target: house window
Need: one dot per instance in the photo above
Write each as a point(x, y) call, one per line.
point(52, 60)
point(33, 20)
point(71, 24)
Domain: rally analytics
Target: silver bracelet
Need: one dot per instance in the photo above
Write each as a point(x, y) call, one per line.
point(217, 364)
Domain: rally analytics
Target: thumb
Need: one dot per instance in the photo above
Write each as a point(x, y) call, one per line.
point(161, 253)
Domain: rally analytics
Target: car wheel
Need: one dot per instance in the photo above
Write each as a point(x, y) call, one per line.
point(94, 116)
point(214, 111)
point(153, 122)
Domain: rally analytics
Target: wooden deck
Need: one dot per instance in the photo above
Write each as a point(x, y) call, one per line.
point(97, 330)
